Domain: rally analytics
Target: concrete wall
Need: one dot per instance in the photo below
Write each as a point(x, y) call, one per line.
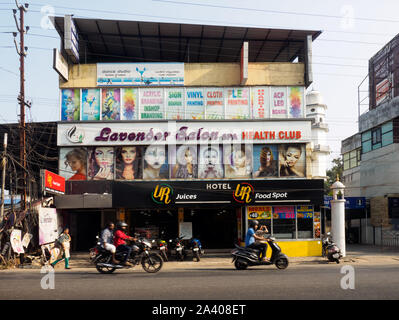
point(383, 113)
point(209, 74)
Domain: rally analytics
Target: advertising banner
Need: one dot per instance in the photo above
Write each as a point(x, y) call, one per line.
point(278, 108)
point(111, 104)
point(130, 108)
point(16, 242)
point(258, 212)
point(70, 104)
point(237, 103)
point(237, 160)
point(100, 163)
point(260, 101)
point(214, 103)
point(295, 102)
point(193, 132)
point(91, 104)
point(265, 160)
point(140, 74)
point(158, 194)
point(48, 225)
point(52, 183)
point(195, 104)
point(73, 163)
point(304, 212)
point(174, 102)
point(151, 104)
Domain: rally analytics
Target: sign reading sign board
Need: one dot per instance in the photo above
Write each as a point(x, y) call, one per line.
point(52, 183)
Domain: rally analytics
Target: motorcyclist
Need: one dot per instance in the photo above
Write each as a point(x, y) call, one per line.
point(119, 241)
point(107, 237)
point(251, 237)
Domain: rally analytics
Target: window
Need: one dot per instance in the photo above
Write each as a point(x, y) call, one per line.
point(366, 142)
point(378, 137)
point(351, 159)
point(387, 133)
point(305, 222)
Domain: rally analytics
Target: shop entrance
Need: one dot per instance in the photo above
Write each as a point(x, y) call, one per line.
point(84, 229)
point(216, 228)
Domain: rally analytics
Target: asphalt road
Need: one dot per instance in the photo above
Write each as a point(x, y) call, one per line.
point(214, 283)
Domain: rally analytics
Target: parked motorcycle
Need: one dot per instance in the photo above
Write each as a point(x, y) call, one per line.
point(179, 248)
point(163, 250)
point(196, 247)
point(244, 257)
point(330, 249)
point(150, 261)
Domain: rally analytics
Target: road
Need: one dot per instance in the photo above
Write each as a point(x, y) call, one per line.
point(220, 282)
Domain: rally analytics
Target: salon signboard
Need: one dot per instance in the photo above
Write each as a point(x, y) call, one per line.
point(185, 132)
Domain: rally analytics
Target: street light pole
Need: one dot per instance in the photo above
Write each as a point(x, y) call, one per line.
point(3, 182)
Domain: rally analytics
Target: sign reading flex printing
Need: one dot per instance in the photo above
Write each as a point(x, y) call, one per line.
point(140, 74)
point(145, 133)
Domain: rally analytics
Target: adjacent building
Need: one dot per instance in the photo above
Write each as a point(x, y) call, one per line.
point(190, 130)
point(371, 156)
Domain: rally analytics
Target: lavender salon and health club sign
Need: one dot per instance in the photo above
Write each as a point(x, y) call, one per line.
point(184, 132)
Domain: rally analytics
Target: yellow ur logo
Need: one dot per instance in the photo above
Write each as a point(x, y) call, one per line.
point(243, 193)
point(50, 181)
point(162, 194)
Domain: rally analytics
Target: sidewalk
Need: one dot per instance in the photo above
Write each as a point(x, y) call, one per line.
point(221, 258)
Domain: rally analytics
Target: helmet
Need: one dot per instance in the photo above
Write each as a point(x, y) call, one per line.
point(253, 223)
point(121, 224)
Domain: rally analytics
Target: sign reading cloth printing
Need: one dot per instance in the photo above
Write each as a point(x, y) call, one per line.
point(195, 132)
point(217, 193)
point(52, 183)
point(140, 74)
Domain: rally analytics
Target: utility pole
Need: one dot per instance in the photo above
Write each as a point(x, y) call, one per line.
point(3, 182)
point(21, 98)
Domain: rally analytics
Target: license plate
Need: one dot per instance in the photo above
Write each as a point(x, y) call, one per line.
point(335, 255)
point(178, 249)
point(195, 249)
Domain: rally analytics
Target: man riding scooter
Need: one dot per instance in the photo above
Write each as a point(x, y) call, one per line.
point(119, 241)
point(251, 237)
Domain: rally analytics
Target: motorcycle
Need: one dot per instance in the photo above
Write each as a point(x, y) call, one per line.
point(244, 257)
point(330, 249)
point(179, 248)
point(196, 247)
point(163, 250)
point(150, 261)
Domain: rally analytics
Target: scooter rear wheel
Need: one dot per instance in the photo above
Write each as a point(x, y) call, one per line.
point(281, 263)
point(240, 265)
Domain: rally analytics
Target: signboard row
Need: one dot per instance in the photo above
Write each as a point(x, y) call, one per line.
point(180, 103)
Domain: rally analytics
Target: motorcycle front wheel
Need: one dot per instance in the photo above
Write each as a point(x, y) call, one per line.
point(104, 270)
point(152, 263)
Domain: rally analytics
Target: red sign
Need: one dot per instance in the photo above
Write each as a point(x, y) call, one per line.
point(53, 182)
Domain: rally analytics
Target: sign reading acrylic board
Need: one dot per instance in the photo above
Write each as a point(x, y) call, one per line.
point(194, 132)
point(140, 74)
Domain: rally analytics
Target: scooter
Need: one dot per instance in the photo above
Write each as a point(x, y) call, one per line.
point(244, 257)
point(196, 247)
point(179, 247)
point(330, 249)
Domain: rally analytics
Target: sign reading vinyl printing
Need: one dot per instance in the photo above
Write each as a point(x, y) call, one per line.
point(216, 193)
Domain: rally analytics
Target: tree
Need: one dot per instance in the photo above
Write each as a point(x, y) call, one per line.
point(337, 169)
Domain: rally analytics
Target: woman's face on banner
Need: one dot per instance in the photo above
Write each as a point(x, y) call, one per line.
point(292, 156)
point(75, 163)
point(128, 154)
point(239, 158)
point(104, 156)
point(211, 157)
point(188, 156)
point(155, 156)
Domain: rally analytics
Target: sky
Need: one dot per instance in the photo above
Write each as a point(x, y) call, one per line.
point(352, 32)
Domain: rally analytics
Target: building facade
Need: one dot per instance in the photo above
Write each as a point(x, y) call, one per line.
point(187, 130)
point(370, 156)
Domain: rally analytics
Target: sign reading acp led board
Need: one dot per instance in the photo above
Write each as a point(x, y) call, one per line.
point(52, 183)
point(140, 74)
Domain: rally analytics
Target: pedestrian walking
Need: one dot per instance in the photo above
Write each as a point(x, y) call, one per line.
point(64, 241)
